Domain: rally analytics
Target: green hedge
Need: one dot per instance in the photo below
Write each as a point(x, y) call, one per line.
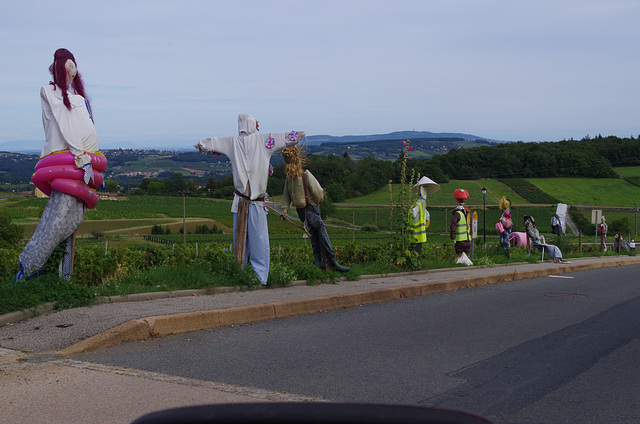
point(527, 190)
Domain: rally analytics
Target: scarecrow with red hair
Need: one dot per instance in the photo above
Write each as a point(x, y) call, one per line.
point(69, 169)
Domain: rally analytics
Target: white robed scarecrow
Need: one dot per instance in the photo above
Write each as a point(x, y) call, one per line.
point(250, 154)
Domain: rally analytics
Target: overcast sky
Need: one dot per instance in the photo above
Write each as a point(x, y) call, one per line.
point(161, 72)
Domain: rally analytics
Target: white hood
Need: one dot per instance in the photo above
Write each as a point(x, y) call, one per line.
point(246, 124)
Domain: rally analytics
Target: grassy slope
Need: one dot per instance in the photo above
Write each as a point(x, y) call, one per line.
point(589, 191)
point(628, 171)
point(145, 211)
point(444, 197)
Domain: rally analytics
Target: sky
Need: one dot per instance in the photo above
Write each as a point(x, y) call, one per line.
point(168, 73)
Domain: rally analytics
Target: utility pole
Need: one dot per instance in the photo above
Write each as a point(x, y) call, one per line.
point(484, 217)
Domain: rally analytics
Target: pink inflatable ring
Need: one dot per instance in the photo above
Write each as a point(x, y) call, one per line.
point(58, 171)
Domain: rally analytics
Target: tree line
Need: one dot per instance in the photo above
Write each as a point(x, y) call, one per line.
point(344, 178)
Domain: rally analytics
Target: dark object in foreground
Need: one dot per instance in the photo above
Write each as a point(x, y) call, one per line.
point(311, 413)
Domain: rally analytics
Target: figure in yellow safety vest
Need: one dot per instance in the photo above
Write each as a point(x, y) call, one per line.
point(459, 228)
point(419, 218)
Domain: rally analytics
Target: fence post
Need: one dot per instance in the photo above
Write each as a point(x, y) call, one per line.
point(353, 214)
point(579, 240)
point(106, 243)
point(446, 227)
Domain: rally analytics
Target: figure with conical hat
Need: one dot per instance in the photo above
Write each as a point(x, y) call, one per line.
point(418, 216)
point(305, 193)
point(459, 229)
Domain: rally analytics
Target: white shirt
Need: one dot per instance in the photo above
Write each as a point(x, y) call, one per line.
point(249, 157)
point(67, 129)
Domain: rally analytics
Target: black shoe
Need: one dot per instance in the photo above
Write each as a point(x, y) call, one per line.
point(336, 266)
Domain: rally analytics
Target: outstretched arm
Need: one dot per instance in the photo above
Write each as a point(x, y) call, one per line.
point(215, 145)
point(278, 141)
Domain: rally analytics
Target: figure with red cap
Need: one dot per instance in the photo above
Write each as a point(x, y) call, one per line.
point(459, 230)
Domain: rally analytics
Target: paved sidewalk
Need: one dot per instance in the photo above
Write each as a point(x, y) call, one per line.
point(153, 315)
point(40, 382)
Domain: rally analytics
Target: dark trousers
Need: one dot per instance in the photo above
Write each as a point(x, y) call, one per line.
point(463, 247)
point(317, 232)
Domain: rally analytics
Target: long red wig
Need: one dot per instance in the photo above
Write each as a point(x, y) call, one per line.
point(59, 74)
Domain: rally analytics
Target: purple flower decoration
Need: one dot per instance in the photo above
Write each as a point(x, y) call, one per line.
point(293, 136)
point(269, 142)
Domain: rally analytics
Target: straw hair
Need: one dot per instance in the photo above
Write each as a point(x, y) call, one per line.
point(504, 204)
point(293, 161)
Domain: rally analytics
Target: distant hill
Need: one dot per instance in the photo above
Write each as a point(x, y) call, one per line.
point(35, 146)
point(397, 135)
point(390, 148)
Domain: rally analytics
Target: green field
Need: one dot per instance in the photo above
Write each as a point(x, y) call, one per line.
point(628, 171)
point(444, 197)
point(590, 191)
point(132, 217)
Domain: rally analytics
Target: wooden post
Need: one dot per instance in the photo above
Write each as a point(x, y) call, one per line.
point(325, 262)
point(73, 251)
point(353, 234)
point(241, 227)
point(579, 240)
point(446, 226)
point(184, 217)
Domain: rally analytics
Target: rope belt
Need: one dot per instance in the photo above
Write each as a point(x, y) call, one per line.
point(244, 196)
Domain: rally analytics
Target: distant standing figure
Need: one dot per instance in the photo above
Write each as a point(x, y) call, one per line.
point(303, 191)
point(603, 228)
point(507, 223)
point(459, 230)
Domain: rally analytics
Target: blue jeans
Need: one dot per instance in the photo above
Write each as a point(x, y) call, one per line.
point(319, 238)
point(257, 249)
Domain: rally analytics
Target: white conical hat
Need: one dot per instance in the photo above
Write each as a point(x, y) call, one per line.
point(432, 186)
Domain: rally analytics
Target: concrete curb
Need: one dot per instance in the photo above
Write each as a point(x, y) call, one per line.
point(165, 325)
point(17, 316)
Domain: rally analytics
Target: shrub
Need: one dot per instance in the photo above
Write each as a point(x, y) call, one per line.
point(10, 234)
point(369, 228)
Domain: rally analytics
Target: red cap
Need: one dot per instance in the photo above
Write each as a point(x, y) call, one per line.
point(461, 194)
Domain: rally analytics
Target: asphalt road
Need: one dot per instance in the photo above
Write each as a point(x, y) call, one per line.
point(557, 349)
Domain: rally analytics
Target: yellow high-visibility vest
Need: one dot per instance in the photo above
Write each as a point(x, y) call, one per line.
point(418, 229)
point(462, 229)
